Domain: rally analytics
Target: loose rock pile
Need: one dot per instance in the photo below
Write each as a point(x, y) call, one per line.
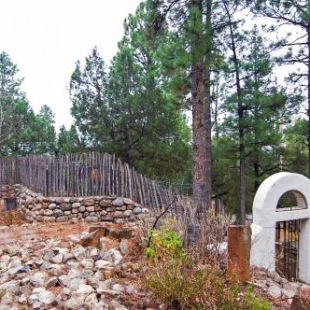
point(64, 274)
point(86, 271)
point(282, 293)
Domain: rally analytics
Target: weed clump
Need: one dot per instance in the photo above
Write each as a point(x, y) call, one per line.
point(180, 280)
point(12, 217)
point(164, 243)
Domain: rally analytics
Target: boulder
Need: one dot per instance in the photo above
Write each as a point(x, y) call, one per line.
point(301, 300)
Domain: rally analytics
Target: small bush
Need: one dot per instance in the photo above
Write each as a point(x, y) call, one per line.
point(164, 243)
point(256, 302)
point(181, 282)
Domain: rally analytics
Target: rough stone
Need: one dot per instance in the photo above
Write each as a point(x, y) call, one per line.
point(107, 218)
point(67, 257)
point(102, 264)
point(301, 300)
point(58, 212)
point(127, 213)
point(65, 207)
point(52, 282)
point(39, 206)
point(90, 209)
point(48, 212)
point(76, 205)
point(119, 221)
point(128, 201)
point(118, 287)
point(62, 219)
point(59, 200)
point(87, 263)
point(274, 291)
point(122, 208)
point(89, 202)
point(75, 284)
point(105, 203)
point(91, 301)
point(137, 210)
point(83, 289)
point(42, 295)
point(118, 202)
point(52, 206)
point(123, 246)
point(82, 209)
point(75, 303)
point(7, 299)
point(49, 219)
point(10, 286)
point(57, 259)
point(38, 279)
point(112, 256)
point(118, 214)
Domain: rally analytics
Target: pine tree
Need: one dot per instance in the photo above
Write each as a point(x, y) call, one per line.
point(21, 130)
point(295, 15)
point(90, 109)
point(11, 96)
point(154, 136)
point(264, 107)
point(69, 141)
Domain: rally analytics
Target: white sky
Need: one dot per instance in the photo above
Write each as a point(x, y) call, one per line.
point(45, 38)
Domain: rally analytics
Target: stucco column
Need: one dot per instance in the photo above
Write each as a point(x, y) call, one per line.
point(265, 216)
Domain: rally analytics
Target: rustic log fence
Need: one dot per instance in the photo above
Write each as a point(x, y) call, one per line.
point(90, 174)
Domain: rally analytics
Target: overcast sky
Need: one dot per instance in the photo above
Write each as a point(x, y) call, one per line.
point(45, 38)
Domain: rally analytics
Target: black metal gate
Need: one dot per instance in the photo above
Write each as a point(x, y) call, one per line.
point(287, 249)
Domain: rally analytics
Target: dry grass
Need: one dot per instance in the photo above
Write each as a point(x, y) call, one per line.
point(203, 234)
point(12, 217)
point(196, 280)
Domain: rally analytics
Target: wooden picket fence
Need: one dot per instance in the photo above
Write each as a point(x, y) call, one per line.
point(90, 174)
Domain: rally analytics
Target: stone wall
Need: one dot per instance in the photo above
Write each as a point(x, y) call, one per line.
point(38, 208)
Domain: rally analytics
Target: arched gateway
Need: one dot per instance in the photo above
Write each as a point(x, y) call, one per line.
point(266, 216)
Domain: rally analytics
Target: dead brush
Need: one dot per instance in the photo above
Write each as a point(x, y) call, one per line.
point(204, 233)
point(12, 217)
point(193, 277)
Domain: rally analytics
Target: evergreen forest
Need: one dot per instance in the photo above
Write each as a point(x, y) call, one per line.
point(210, 95)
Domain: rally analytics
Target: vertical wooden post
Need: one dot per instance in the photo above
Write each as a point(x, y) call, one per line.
point(239, 247)
point(47, 180)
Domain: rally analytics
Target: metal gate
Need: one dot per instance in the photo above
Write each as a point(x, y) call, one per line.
point(287, 249)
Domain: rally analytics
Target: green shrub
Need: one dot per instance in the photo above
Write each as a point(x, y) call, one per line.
point(255, 302)
point(181, 283)
point(164, 243)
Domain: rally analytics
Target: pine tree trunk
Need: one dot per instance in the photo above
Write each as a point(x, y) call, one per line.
point(242, 189)
point(201, 119)
point(200, 137)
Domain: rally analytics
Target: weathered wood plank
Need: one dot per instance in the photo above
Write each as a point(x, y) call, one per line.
point(83, 174)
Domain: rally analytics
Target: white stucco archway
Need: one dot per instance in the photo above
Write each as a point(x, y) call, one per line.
point(265, 216)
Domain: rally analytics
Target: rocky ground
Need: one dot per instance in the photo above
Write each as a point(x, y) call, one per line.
point(70, 274)
point(278, 290)
point(86, 271)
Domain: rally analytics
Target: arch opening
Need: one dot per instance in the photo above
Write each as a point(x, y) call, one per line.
point(290, 201)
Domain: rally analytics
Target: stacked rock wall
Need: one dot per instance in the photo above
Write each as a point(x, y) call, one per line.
point(61, 209)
